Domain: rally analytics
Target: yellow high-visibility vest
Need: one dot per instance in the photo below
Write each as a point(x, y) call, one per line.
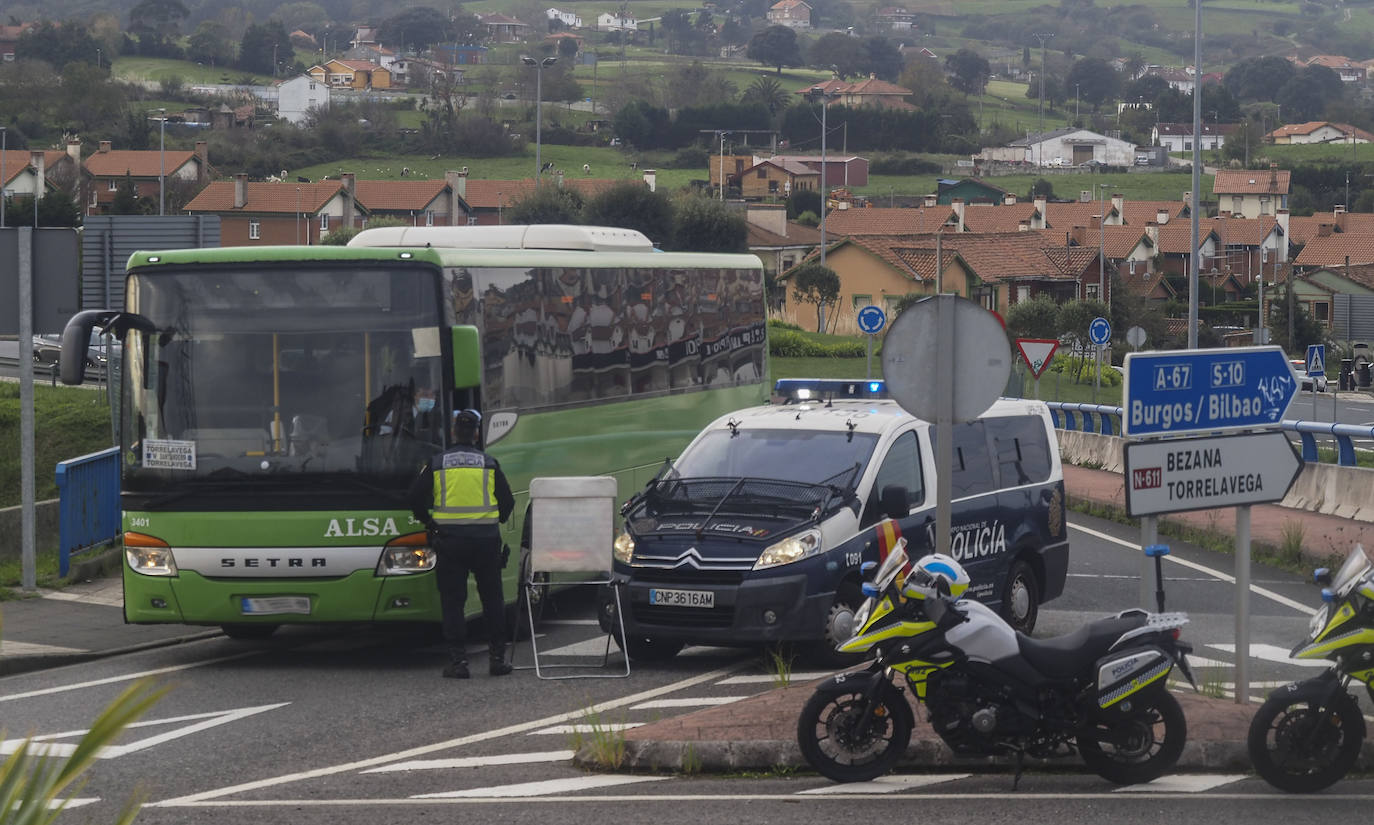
point(464, 488)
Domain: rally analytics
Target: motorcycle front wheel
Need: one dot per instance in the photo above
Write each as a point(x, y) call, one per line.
point(1139, 745)
point(837, 742)
point(1300, 746)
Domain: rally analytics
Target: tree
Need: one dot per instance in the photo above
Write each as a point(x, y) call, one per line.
point(1073, 320)
point(161, 17)
point(884, 59)
point(257, 51)
point(1036, 318)
point(126, 200)
point(212, 44)
point(1094, 81)
point(969, 71)
point(630, 205)
point(766, 92)
point(418, 26)
point(547, 204)
point(816, 284)
point(844, 53)
point(58, 44)
point(641, 124)
point(775, 46)
point(1258, 78)
point(707, 225)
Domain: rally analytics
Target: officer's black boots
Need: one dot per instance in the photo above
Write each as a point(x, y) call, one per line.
point(457, 669)
point(499, 666)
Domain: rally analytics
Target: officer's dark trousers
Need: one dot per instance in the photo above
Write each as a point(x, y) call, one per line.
point(459, 556)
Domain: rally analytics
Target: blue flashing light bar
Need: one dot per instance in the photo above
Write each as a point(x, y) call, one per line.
point(794, 390)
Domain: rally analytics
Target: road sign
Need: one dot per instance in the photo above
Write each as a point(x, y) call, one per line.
point(1135, 336)
point(1037, 352)
point(1178, 474)
point(1099, 331)
point(979, 365)
point(871, 319)
point(1316, 360)
point(1183, 392)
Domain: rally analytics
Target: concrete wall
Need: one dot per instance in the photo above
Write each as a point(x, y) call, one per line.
point(11, 527)
point(1321, 488)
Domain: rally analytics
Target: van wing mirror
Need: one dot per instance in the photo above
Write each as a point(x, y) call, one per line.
point(892, 501)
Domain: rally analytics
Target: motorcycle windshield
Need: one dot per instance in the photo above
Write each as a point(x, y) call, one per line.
point(1357, 566)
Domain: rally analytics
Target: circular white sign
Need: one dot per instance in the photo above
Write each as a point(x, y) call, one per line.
point(1135, 336)
point(981, 359)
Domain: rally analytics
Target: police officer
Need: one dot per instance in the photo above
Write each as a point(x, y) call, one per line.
point(461, 495)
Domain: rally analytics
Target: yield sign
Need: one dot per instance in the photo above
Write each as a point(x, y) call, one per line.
point(1037, 352)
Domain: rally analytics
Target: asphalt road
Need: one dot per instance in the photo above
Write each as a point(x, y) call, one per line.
point(355, 726)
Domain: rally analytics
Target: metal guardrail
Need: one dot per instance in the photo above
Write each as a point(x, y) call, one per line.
point(88, 512)
point(1106, 420)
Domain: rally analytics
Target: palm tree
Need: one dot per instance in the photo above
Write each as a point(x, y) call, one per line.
point(768, 92)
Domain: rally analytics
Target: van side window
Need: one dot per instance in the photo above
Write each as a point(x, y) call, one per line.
point(972, 466)
point(902, 465)
point(1022, 449)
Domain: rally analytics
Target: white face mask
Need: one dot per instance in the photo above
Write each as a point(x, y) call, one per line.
point(424, 405)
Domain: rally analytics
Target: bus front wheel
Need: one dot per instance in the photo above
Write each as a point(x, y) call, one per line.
point(248, 632)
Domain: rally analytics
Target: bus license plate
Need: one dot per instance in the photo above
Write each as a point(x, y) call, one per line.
point(682, 598)
point(268, 606)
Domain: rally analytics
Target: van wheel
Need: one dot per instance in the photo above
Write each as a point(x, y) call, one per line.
point(248, 632)
point(1021, 597)
point(839, 627)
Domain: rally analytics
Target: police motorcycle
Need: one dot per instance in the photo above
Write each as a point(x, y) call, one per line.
point(1307, 735)
point(989, 689)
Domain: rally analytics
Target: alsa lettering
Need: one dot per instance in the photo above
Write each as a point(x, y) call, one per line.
point(343, 527)
point(271, 562)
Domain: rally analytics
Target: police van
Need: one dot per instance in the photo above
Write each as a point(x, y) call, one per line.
point(757, 532)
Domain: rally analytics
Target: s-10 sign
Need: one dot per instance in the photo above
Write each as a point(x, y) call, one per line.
point(1192, 391)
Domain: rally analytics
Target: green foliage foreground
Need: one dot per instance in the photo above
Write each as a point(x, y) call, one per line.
point(35, 789)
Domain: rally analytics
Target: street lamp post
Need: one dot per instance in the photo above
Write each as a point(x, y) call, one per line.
point(162, 161)
point(4, 134)
point(1075, 104)
point(1101, 247)
point(824, 97)
point(298, 216)
point(538, 108)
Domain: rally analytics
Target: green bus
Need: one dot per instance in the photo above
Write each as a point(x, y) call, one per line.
point(270, 417)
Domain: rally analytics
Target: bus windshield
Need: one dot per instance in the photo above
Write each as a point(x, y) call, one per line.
point(284, 379)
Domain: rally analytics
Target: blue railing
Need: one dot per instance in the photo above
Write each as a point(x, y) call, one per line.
point(1100, 418)
point(88, 512)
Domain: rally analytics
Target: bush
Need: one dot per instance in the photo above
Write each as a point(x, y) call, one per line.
point(692, 157)
point(788, 343)
point(1110, 377)
point(903, 164)
point(778, 323)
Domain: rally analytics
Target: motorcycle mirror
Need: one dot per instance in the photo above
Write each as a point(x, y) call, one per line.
point(1322, 576)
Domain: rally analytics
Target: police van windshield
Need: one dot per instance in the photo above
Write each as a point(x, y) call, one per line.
point(785, 455)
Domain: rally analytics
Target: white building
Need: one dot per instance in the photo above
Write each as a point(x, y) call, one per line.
point(568, 18)
point(300, 94)
point(1069, 147)
point(616, 22)
point(1178, 137)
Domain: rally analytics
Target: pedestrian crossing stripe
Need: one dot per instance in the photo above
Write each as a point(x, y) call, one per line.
point(887, 784)
point(1273, 653)
point(547, 787)
point(1184, 783)
point(584, 729)
point(475, 761)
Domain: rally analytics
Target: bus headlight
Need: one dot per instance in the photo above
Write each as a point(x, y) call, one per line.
point(795, 548)
point(149, 555)
point(624, 548)
point(406, 554)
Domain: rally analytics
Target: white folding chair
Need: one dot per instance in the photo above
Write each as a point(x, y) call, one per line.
point(571, 535)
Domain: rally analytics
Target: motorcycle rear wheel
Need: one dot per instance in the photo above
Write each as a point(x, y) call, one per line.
point(1294, 756)
point(1139, 746)
point(826, 734)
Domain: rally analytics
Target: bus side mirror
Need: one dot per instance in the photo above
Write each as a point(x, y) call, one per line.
point(893, 502)
point(76, 337)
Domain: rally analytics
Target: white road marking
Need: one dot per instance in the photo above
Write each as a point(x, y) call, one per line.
point(548, 787)
point(115, 598)
point(31, 649)
point(1195, 661)
point(702, 701)
point(74, 802)
point(768, 678)
point(110, 680)
point(570, 622)
point(598, 647)
point(411, 753)
point(888, 784)
point(1274, 653)
point(476, 761)
point(1201, 568)
point(209, 720)
point(584, 728)
point(999, 796)
point(1185, 783)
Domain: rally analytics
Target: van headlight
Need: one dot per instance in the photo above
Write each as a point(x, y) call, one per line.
point(794, 548)
point(624, 548)
point(149, 555)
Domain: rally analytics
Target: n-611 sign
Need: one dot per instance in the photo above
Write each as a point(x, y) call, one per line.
point(1198, 391)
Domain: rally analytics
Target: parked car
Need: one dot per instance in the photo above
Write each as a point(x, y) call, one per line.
point(47, 351)
point(1308, 383)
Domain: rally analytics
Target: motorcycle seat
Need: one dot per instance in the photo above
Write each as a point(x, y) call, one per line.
point(1062, 657)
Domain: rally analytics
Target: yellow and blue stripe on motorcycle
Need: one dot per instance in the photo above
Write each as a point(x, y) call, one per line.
point(864, 641)
point(1330, 644)
point(1342, 615)
point(1126, 675)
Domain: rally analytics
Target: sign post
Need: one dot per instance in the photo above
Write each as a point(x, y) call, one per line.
point(1193, 392)
point(871, 320)
point(1316, 368)
point(1037, 353)
point(1099, 332)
